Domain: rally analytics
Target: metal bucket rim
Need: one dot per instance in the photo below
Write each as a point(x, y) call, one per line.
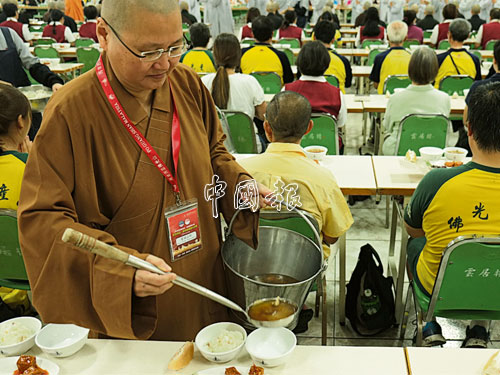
point(274, 285)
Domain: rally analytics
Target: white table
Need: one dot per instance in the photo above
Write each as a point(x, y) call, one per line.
point(122, 357)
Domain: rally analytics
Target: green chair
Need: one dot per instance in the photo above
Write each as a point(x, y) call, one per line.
point(46, 52)
point(421, 130)
point(292, 42)
point(275, 34)
point(185, 26)
point(84, 42)
point(44, 41)
point(427, 34)
point(32, 80)
point(87, 56)
point(396, 81)
point(36, 28)
point(249, 41)
point(294, 221)
point(490, 45)
point(242, 132)
point(478, 54)
point(187, 35)
point(444, 44)
point(465, 286)
point(12, 270)
point(332, 80)
point(371, 55)
point(324, 133)
point(289, 55)
point(270, 81)
point(410, 42)
point(456, 84)
point(371, 42)
point(228, 142)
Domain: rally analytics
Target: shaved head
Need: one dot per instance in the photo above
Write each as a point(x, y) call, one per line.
point(120, 12)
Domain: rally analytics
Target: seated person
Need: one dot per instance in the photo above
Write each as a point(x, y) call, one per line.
point(339, 65)
point(428, 22)
point(360, 20)
point(187, 17)
point(494, 78)
point(246, 30)
point(440, 32)
point(475, 20)
point(199, 58)
point(262, 57)
point(87, 30)
point(414, 32)
point(458, 60)
point(371, 29)
point(328, 16)
point(15, 120)
point(289, 29)
point(56, 29)
point(12, 20)
point(459, 201)
point(273, 14)
point(489, 31)
point(419, 97)
point(231, 90)
point(393, 61)
point(288, 119)
point(312, 62)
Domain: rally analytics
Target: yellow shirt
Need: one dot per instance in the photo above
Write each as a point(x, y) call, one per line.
point(340, 68)
point(458, 62)
point(317, 190)
point(449, 203)
point(201, 61)
point(12, 164)
point(391, 62)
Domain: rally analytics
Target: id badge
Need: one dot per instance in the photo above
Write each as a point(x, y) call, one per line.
point(183, 229)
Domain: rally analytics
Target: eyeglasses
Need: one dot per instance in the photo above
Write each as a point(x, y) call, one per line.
point(149, 56)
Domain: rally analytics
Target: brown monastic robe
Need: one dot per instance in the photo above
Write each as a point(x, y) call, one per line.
point(86, 172)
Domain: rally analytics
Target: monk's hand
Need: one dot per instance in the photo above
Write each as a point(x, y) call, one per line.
point(151, 284)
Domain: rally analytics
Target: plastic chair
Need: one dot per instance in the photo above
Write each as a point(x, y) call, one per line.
point(228, 142)
point(84, 42)
point(87, 56)
point(444, 44)
point(371, 42)
point(324, 133)
point(12, 270)
point(44, 41)
point(293, 42)
point(185, 26)
point(290, 56)
point(456, 84)
point(478, 54)
point(293, 221)
point(242, 132)
point(46, 52)
point(411, 42)
point(396, 81)
point(490, 45)
point(371, 55)
point(249, 41)
point(270, 81)
point(427, 34)
point(421, 130)
point(332, 80)
point(465, 284)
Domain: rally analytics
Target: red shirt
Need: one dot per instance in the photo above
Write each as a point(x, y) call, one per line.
point(491, 31)
point(324, 97)
point(16, 26)
point(443, 32)
point(87, 30)
point(246, 32)
point(290, 32)
point(48, 32)
point(379, 36)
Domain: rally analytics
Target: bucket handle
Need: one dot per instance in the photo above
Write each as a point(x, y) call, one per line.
point(290, 208)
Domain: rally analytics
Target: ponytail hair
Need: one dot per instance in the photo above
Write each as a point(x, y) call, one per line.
point(290, 17)
point(227, 55)
point(55, 16)
point(13, 103)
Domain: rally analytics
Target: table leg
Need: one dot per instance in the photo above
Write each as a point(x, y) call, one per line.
point(401, 272)
point(361, 85)
point(342, 280)
point(394, 224)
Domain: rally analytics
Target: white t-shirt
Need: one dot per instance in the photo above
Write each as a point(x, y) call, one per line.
point(245, 92)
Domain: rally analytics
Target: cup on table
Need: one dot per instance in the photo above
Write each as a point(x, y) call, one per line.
point(316, 152)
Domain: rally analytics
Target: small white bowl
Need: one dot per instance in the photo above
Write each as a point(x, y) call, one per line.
point(62, 45)
point(271, 347)
point(22, 347)
point(61, 340)
point(316, 152)
point(455, 154)
point(212, 331)
point(431, 153)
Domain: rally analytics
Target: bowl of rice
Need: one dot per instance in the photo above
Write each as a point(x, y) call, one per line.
point(221, 342)
point(17, 335)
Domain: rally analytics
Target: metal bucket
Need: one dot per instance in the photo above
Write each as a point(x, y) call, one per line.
point(282, 254)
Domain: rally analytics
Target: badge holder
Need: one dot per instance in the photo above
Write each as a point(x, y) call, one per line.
point(182, 222)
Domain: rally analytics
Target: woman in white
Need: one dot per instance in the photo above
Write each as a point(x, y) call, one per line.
point(220, 17)
point(465, 7)
point(357, 9)
point(194, 9)
point(396, 10)
point(420, 97)
point(231, 90)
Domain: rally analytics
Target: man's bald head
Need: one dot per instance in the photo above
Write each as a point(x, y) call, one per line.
point(120, 12)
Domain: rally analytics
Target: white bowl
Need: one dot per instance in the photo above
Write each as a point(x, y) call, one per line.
point(271, 347)
point(61, 340)
point(22, 347)
point(431, 153)
point(455, 153)
point(49, 61)
point(316, 152)
point(62, 45)
point(212, 331)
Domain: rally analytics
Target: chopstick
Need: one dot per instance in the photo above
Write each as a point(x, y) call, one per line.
point(407, 359)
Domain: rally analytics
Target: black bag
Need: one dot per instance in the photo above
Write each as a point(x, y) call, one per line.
point(370, 296)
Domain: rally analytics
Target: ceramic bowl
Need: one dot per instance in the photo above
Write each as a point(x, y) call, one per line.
point(18, 348)
point(316, 152)
point(431, 153)
point(210, 332)
point(455, 154)
point(61, 340)
point(271, 347)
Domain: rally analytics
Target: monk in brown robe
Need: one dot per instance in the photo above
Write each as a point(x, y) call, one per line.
point(86, 172)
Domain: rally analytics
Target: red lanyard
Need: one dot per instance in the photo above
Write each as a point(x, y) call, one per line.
point(136, 134)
